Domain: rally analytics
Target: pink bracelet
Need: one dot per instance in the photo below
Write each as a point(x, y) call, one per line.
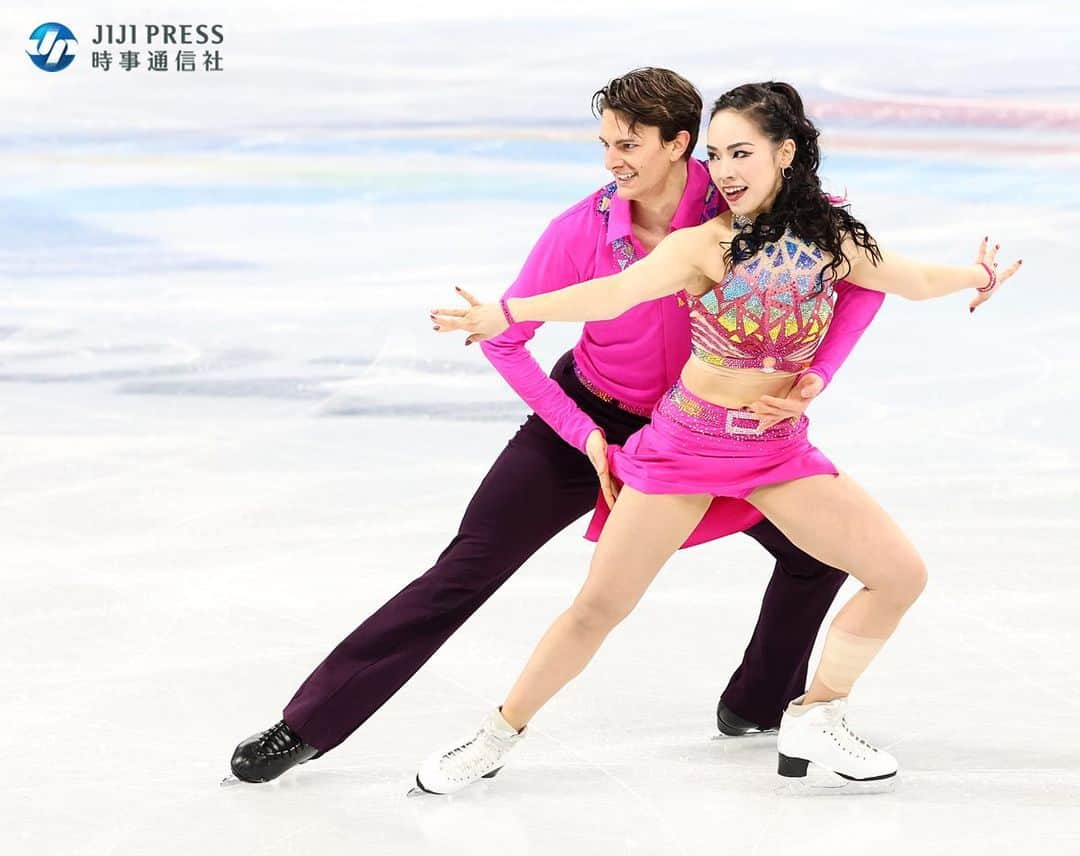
point(993, 278)
point(506, 312)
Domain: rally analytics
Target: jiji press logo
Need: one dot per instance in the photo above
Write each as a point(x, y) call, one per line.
point(51, 47)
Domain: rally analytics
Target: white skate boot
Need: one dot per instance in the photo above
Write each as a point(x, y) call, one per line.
point(818, 735)
point(481, 757)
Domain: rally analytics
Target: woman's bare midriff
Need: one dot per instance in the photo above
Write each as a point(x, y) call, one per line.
point(733, 388)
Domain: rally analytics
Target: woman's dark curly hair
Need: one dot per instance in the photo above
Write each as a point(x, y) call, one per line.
point(801, 205)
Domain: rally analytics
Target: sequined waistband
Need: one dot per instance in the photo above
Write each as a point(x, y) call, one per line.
point(763, 364)
point(608, 398)
point(681, 406)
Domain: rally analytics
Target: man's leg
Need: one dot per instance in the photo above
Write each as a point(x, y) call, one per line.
point(537, 487)
point(774, 666)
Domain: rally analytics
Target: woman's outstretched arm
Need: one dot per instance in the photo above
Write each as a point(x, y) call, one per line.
point(675, 264)
point(916, 280)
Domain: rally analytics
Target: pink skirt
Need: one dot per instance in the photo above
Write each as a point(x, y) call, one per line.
point(692, 446)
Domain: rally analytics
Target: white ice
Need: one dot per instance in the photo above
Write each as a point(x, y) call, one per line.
point(227, 433)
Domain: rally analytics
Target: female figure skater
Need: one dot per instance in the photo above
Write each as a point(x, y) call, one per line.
point(759, 281)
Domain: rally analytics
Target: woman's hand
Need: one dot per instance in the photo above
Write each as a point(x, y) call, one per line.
point(773, 410)
point(994, 281)
point(480, 320)
point(596, 449)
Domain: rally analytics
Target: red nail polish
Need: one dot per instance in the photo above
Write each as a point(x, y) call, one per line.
point(971, 309)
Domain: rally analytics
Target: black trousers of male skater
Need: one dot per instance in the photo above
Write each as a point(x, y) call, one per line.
point(538, 486)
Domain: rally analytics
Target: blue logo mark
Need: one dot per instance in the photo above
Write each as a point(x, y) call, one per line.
point(52, 47)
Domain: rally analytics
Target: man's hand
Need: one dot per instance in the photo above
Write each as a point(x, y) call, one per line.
point(773, 410)
point(596, 449)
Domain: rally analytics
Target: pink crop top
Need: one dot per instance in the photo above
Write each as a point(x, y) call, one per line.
point(770, 312)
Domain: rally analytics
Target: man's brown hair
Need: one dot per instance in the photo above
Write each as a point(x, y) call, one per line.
point(657, 97)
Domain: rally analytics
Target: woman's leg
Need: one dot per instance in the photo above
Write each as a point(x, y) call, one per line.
point(641, 534)
point(837, 522)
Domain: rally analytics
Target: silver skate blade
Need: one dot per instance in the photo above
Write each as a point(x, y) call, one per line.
point(753, 736)
point(418, 791)
point(821, 782)
point(230, 781)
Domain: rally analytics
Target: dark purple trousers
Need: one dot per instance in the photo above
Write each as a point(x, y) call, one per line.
point(538, 486)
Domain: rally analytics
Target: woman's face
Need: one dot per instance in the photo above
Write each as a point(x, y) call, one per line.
point(745, 164)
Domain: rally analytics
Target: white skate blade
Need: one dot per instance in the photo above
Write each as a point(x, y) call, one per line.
point(820, 781)
point(230, 781)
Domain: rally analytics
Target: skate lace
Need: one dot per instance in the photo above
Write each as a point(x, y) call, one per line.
point(475, 757)
point(845, 738)
point(279, 740)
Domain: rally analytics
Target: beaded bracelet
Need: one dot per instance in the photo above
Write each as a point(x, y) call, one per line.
point(506, 312)
point(993, 278)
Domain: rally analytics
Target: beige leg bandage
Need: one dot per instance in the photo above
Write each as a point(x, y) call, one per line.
point(844, 658)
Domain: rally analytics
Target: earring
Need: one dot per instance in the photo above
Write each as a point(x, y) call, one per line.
point(786, 172)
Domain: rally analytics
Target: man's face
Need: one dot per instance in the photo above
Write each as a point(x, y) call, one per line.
point(640, 160)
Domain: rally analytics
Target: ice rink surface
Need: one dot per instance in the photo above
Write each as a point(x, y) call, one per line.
point(227, 433)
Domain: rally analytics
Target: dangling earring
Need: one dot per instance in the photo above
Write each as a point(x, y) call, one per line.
point(786, 172)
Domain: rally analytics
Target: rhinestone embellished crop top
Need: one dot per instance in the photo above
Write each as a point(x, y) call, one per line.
point(769, 312)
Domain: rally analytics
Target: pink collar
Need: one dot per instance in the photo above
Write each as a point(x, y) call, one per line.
point(620, 223)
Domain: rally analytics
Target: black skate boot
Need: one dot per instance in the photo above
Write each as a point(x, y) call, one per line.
point(733, 725)
point(265, 756)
